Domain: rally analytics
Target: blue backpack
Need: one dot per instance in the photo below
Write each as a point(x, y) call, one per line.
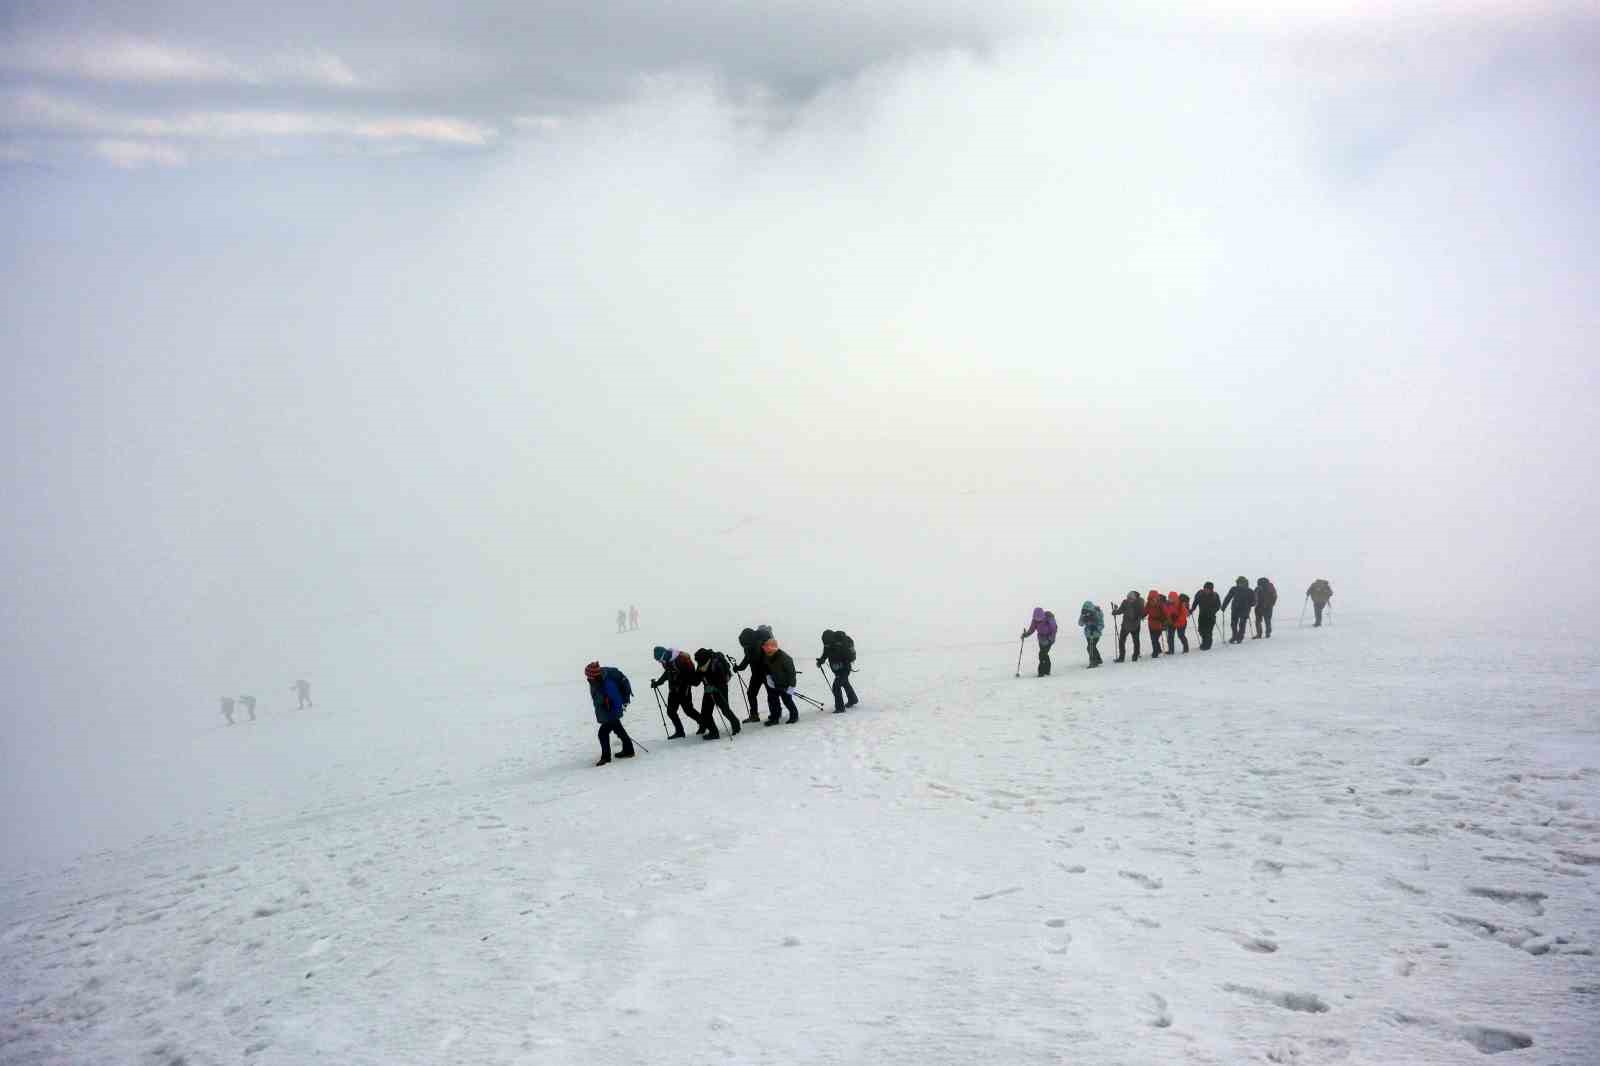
point(622, 685)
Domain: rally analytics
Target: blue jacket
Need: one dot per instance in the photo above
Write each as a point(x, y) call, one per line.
point(609, 702)
point(1092, 619)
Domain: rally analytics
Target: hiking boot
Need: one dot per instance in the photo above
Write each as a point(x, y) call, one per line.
point(752, 718)
point(603, 760)
point(1120, 659)
point(1093, 665)
point(625, 753)
point(675, 736)
point(770, 721)
point(793, 718)
point(710, 736)
point(735, 729)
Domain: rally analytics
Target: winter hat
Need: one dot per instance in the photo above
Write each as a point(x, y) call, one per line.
point(1209, 585)
point(1088, 604)
point(1038, 614)
point(660, 654)
point(1242, 581)
point(770, 646)
point(746, 636)
point(592, 671)
point(827, 636)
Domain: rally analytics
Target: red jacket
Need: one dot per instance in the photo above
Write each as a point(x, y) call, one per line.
point(1155, 611)
point(1177, 611)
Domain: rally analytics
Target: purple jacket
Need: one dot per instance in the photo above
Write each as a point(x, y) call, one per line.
point(1044, 623)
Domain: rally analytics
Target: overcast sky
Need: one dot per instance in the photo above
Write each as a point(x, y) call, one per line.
point(394, 345)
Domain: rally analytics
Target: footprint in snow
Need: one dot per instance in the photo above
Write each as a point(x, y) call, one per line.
point(1000, 892)
point(1305, 1002)
point(1152, 883)
point(1160, 1016)
point(1530, 903)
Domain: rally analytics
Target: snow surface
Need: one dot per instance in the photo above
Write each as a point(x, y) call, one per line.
point(1377, 842)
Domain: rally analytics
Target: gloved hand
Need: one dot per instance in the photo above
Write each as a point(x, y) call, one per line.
point(819, 664)
point(656, 683)
point(1023, 635)
point(791, 691)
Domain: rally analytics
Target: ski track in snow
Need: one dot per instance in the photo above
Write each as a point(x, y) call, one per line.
point(1360, 844)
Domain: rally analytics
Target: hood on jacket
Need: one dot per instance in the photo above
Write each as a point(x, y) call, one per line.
point(1038, 614)
point(661, 655)
point(770, 646)
point(592, 671)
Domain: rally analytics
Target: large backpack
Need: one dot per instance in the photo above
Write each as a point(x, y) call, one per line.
point(622, 685)
point(844, 646)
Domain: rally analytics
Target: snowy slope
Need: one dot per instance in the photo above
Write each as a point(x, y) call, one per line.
point(1372, 843)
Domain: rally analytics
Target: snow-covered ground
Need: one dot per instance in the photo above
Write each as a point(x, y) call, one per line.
point(1372, 843)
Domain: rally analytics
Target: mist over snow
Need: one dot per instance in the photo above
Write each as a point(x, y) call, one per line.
point(952, 323)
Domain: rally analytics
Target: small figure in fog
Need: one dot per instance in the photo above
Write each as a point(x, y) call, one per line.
point(1319, 593)
point(622, 621)
point(302, 689)
point(633, 617)
point(227, 709)
point(249, 703)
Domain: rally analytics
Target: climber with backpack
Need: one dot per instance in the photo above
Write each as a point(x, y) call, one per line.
point(1044, 624)
point(751, 640)
point(715, 673)
point(781, 680)
point(1093, 621)
point(678, 673)
point(839, 651)
point(610, 691)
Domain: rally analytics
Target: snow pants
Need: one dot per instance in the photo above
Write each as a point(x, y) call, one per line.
point(1155, 641)
point(1094, 649)
point(1122, 642)
point(774, 694)
point(843, 689)
point(1317, 607)
point(1263, 616)
point(1180, 634)
point(678, 700)
point(1207, 625)
point(1241, 622)
point(1044, 657)
point(758, 681)
point(607, 731)
point(711, 701)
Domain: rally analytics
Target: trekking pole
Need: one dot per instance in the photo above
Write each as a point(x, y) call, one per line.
point(807, 699)
point(1302, 612)
point(662, 710)
point(1329, 609)
point(1020, 648)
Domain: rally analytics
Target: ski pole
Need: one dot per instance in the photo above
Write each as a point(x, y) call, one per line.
point(1303, 612)
point(1020, 648)
point(662, 710)
point(808, 699)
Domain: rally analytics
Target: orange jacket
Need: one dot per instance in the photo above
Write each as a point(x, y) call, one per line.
point(1177, 611)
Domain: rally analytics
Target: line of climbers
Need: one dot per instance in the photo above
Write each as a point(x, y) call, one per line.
point(1169, 614)
point(771, 668)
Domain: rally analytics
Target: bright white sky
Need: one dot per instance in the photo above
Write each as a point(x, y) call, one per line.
point(360, 347)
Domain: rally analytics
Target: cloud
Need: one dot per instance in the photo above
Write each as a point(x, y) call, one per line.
point(40, 112)
point(132, 155)
point(142, 60)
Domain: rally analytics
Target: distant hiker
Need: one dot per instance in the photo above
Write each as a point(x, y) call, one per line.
point(249, 706)
point(227, 709)
point(302, 689)
point(751, 640)
point(1266, 600)
point(1320, 593)
point(715, 673)
point(1043, 623)
point(679, 675)
point(610, 692)
point(1177, 621)
point(780, 682)
point(1206, 604)
point(839, 651)
point(633, 617)
point(1132, 611)
point(622, 621)
point(1155, 616)
point(1242, 599)
point(1093, 621)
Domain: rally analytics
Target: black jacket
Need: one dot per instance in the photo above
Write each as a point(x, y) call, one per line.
point(781, 667)
point(840, 652)
point(1266, 595)
point(1206, 604)
point(716, 673)
point(753, 659)
point(1242, 597)
point(1132, 611)
point(1320, 591)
